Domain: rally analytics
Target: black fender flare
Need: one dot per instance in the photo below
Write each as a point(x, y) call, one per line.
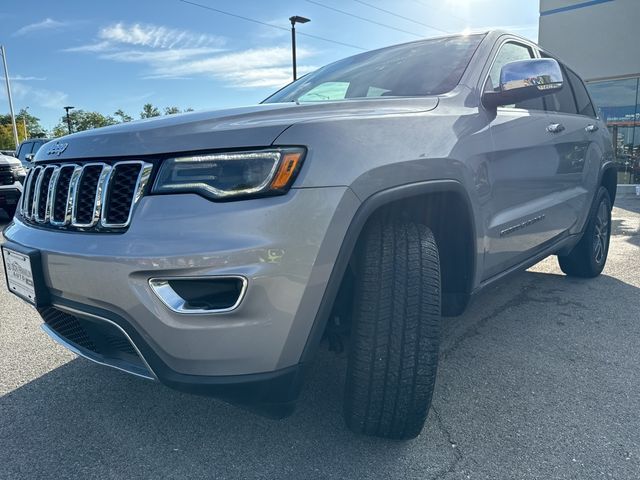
point(360, 218)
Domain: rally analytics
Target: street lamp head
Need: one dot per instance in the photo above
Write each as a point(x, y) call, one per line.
point(68, 108)
point(298, 19)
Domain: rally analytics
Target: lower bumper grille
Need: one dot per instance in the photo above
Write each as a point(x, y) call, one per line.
point(98, 340)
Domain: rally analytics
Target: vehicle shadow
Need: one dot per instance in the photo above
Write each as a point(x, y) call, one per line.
point(86, 421)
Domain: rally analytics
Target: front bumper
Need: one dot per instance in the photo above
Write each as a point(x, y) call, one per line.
point(284, 246)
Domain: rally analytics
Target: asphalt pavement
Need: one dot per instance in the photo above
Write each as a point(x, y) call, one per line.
point(539, 379)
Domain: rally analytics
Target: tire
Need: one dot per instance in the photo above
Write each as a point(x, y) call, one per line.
point(395, 336)
point(588, 257)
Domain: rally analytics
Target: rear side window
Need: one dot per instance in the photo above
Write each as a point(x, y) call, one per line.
point(583, 102)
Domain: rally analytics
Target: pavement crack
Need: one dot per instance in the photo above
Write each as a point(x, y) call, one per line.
point(457, 453)
point(474, 329)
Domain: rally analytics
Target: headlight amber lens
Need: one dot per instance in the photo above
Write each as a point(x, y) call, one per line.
point(225, 175)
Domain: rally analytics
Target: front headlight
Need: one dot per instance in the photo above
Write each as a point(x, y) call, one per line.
point(18, 170)
point(222, 176)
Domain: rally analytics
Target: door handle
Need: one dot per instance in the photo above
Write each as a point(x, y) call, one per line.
point(591, 128)
point(555, 128)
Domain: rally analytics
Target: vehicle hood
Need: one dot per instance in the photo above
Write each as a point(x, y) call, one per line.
point(254, 126)
point(6, 160)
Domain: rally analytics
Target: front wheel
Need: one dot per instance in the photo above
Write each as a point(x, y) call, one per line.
point(588, 257)
point(395, 333)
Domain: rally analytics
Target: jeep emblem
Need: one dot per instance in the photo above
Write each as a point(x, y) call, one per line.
point(57, 149)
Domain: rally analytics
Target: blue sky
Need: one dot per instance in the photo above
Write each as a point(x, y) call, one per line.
point(106, 55)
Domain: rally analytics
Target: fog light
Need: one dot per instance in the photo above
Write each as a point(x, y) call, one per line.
point(200, 295)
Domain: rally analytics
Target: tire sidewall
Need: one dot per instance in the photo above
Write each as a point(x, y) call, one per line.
point(603, 196)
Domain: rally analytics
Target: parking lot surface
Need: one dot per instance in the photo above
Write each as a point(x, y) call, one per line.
point(539, 379)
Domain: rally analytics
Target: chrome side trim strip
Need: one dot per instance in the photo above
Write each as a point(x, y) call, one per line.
point(177, 304)
point(65, 343)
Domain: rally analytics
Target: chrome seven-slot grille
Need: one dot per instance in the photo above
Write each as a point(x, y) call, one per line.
point(93, 196)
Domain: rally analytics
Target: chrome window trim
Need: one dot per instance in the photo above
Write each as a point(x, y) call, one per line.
point(143, 179)
point(174, 302)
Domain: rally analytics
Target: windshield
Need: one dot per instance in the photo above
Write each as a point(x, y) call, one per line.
point(427, 67)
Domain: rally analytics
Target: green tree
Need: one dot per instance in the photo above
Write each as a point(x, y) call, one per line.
point(171, 110)
point(149, 111)
point(122, 116)
point(82, 120)
point(23, 118)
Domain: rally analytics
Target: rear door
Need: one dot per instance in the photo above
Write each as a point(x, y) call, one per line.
point(578, 147)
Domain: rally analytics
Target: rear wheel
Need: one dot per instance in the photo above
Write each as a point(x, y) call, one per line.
point(588, 257)
point(396, 331)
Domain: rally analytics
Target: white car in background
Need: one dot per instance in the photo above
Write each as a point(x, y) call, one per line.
point(12, 175)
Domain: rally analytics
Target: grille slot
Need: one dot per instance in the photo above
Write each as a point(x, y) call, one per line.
point(44, 181)
point(86, 199)
point(92, 197)
point(121, 193)
point(31, 188)
point(60, 197)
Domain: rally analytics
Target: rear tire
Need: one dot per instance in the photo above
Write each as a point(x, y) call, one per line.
point(588, 257)
point(395, 334)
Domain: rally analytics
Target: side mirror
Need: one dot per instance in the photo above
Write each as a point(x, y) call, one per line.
point(29, 157)
point(525, 80)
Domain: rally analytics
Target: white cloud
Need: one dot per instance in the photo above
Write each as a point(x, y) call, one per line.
point(41, 97)
point(22, 78)
point(157, 36)
point(46, 24)
point(178, 54)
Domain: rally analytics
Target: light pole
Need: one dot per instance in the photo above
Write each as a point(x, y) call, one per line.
point(68, 117)
point(24, 123)
point(295, 19)
point(6, 77)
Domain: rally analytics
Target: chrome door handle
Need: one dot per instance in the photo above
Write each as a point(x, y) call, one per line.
point(555, 128)
point(591, 128)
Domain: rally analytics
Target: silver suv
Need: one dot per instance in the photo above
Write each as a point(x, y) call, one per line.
point(213, 251)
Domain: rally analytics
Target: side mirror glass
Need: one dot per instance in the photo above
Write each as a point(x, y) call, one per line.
point(524, 80)
point(29, 157)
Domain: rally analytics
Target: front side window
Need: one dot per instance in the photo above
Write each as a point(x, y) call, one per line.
point(423, 68)
point(25, 149)
point(512, 52)
point(562, 101)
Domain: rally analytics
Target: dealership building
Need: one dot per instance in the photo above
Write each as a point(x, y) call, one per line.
point(597, 38)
